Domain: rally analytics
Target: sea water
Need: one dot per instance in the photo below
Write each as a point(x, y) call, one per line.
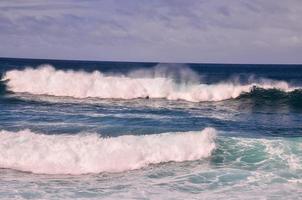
point(109, 130)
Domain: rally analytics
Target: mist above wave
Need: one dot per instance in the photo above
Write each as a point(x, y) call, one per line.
point(159, 82)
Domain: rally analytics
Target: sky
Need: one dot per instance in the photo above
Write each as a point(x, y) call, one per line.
point(200, 31)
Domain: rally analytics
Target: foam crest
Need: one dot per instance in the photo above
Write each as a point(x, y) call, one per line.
point(89, 153)
point(46, 80)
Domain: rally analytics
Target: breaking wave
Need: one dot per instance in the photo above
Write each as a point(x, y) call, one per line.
point(90, 153)
point(46, 80)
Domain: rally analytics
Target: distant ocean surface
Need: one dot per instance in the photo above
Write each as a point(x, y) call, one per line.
point(121, 130)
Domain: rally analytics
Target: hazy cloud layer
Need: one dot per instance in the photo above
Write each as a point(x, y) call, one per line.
point(240, 31)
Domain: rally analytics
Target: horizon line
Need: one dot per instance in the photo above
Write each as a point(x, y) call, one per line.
point(155, 62)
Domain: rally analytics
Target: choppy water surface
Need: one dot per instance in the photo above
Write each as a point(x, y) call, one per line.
point(91, 130)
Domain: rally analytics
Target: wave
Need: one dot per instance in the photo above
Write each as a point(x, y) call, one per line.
point(46, 80)
point(90, 153)
point(274, 96)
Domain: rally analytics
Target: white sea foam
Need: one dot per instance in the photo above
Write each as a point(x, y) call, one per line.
point(90, 153)
point(47, 80)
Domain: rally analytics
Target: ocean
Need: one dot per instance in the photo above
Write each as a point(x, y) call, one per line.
point(123, 130)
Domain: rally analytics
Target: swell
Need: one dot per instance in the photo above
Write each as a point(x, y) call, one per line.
point(89, 153)
point(46, 80)
point(273, 97)
point(272, 94)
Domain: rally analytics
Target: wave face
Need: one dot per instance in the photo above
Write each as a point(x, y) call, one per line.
point(274, 97)
point(89, 153)
point(2, 88)
point(46, 80)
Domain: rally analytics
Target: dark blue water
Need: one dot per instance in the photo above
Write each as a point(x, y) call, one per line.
point(257, 147)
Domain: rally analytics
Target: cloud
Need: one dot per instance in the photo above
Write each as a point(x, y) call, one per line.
point(246, 31)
